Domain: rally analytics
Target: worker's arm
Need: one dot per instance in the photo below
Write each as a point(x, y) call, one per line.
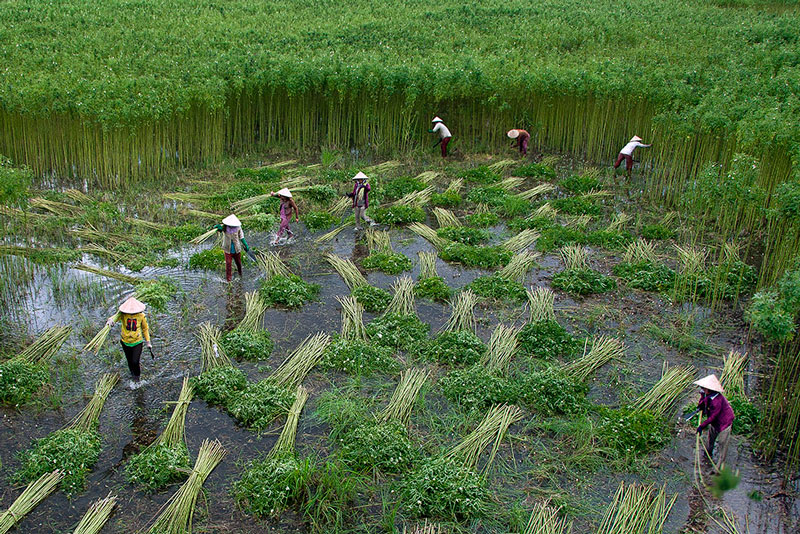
point(146, 331)
point(113, 319)
point(243, 240)
point(714, 411)
point(296, 210)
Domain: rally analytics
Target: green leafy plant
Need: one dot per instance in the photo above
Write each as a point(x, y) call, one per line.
point(631, 432)
point(157, 293)
point(646, 275)
point(20, 380)
point(480, 175)
point(579, 184)
point(268, 486)
point(583, 281)
point(434, 288)
point(247, 344)
point(259, 403)
point(159, 467)
point(398, 215)
point(498, 287)
point(460, 347)
point(610, 239)
point(538, 171)
point(220, 385)
point(471, 256)
point(483, 220)
point(212, 259)
point(553, 392)
point(494, 195)
point(531, 223)
point(514, 206)
point(448, 199)
point(747, 416)
point(383, 446)
point(359, 358)
point(558, 237)
point(576, 206)
point(476, 388)
point(388, 262)
point(547, 340)
point(373, 299)
point(319, 220)
point(263, 174)
point(320, 193)
point(768, 317)
point(399, 187)
point(183, 233)
point(397, 331)
point(463, 234)
point(288, 291)
point(656, 231)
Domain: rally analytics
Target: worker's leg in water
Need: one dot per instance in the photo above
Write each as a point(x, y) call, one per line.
point(133, 355)
point(723, 440)
point(238, 259)
point(445, 142)
point(228, 258)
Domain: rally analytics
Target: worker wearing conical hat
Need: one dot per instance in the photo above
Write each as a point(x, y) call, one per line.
point(718, 413)
point(521, 138)
point(287, 206)
point(232, 243)
point(360, 196)
point(134, 335)
point(627, 153)
point(444, 134)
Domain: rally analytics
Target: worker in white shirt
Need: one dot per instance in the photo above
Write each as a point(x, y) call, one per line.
point(444, 134)
point(627, 153)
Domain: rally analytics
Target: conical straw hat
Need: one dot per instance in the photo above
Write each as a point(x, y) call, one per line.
point(710, 382)
point(635, 138)
point(436, 119)
point(231, 220)
point(132, 306)
point(284, 193)
point(513, 134)
point(360, 176)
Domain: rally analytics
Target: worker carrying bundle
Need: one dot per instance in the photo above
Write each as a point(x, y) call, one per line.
point(360, 196)
point(232, 243)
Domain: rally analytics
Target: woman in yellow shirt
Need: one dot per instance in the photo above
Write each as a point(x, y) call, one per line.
point(135, 332)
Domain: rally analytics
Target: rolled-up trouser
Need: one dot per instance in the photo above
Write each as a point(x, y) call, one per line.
point(722, 438)
point(628, 161)
point(284, 227)
point(360, 213)
point(445, 141)
point(235, 257)
point(133, 354)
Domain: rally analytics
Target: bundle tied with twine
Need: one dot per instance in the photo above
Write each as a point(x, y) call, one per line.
point(462, 315)
point(96, 516)
point(604, 349)
point(175, 432)
point(378, 241)
point(491, 431)
point(87, 419)
point(30, 497)
point(404, 397)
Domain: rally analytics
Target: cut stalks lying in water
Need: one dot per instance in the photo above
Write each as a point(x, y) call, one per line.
point(544, 520)
point(403, 299)
point(347, 270)
point(428, 234)
point(462, 315)
point(637, 509)
point(502, 347)
point(540, 302)
point(521, 241)
point(96, 516)
point(604, 349)
point(445, 217)
point(661, 398)
point(31, 496)
point(404, 397)
point(108, 274)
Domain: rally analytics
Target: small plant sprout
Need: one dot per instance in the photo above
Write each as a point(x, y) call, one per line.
point(404, 397)
point(734, 368)
point(31, 496)
point(462, 316)
point(427, 265)
point(661, 398)
point(619, 221)
point(640, 251)
point(96, 516)
point(428, 234)
point(352, 319)
point(521, 241)
point(536, 191)
point(272, 265)
point(445, 217)
point(502, 347)
point(544, 520)
point(518, 267)
point(574, 257)
point(403, 299)
point(491, 431)
point(540, 301)
point(604, 349)
point(637, 509)
point(347, 270)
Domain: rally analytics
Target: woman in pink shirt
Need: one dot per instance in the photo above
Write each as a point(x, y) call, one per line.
point(718, 413)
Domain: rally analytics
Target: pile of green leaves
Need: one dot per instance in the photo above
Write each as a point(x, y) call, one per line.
point(538, 171)
point(396, 330)
point(14, 183)
point(471, 256)
point(157, 293)
point(530, 223)
point(211, 259)
point(576, 206)
point(321, 194)
point(483, 220)
point(579, 185)
point(382, 446)
point(610, 239)
point(646, 275)
point(747, 415)
point(268, 486)
point(260, 403)
point(547, 340)
point(434, 288)
point(182, 233)
point(262, 222)
point(492, 195)
point(656, 231)
point(480, 175)
point(399, 187)
point(374, 299)
point(631, 432)
point(72, 450)
point(236, 191)
point(287, 291)
point(399, 214)
point(248, 344)
point(739, 278)
point(559, 236)
point(319, 220)
point(359, 358)
point(219, 385)
point(20, 380)
point(448, 199)
point(476, 389)
point(514, 206)
point(461, 347)
point(552, 392)
point(463, 234)
point(159, 466)
point(498, 287)
point(583, 282)
point(388, 262)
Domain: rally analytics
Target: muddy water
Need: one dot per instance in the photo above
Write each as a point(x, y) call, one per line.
point(132, 418)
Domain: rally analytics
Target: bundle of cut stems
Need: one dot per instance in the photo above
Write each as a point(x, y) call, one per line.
point(175, 431)
point(502, 165)
point(352, 319)
point(186, 197)
point(619, 221)
point(428, 234)
point(78, 196)
point(378, 241)
point(669, 217)
point(281, 164)
point(108, 274)
point(404, 397)
point(285, 443)
point(427, 265)
point(100, 250)
point(324, 238)
point(46, 345)
point(640, 251)
point(254, 309)
point(202, 214)
point(512, 182)
point(502, 347)
point(546, 210)
point(347, 270)
point(534, 192)
point(427, 177)
point(295, 368)
point(147, 224)
point(202, 238)
point(519, 266)
point(88, 417)
point(578, 221)
point(541, 301)
point(416, 198)
point(97, 515)
point(590, 172)
point(490, 431)
point(604, 349)
point(212, 355)
point(596, 193)
point(461, 314)
point(56, 208)
point(30, 497)
point(271, 265)
point(733, 371)
point(14, 213)
point(455, 186)
point(403, 298)
point(544, 520)
point(662, 396)
point(574, 257)
point(383, 167)
point(522, 240)
point(247, 203)
point(341, 206)
point(636, 509)
point(95, 344)
point(445, 217)
point(425, 528)
point(550, 160)
point(176, 516)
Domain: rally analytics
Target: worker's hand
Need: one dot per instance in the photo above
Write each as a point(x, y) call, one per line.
point(699, 429)
point(109, 322)
point(149, 345)
point(297, 219)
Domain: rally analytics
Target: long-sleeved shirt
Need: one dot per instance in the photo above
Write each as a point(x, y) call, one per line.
point(134, 328)
point(717, 410)
point(232, 243)
point(523, 136)
point(442, 130)
point(629, 148)
point(358, 189)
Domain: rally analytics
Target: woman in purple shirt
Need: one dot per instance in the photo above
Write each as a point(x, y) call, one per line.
point(718, 413)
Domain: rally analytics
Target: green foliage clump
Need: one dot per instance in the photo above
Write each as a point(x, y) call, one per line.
point(547, 340)
point(472, 256)
point(552, 392)
point(747, 415)
point(768, 316)
point(262, 222)
point(461, 347)
point(493, 195)
point(632, 432)
point(374, 299)
point(646, 275)
point(399, 214)
point(498, 287)
point(358, 358)
point(583, 282)
point(434, 288)
point(14, 183)
point(158, 466)
point(183, 233)
point(262, 174)
point(440, 488)
point(399, 187)
point(483, 220)
point(723, 481)
point(579, 185)
point(20, 380)
point(268, 486)
point(251, 345)
point(319, 220)
point(559, 236)
point(397, 331)
point(382, 446)
point(530, 223)
point(448, 199)
point(480, 175)
point(576, 206)
point(288, 291)
point(476, 389)
point(656, 232)
point(157, 293)
point(73, 450)
point(538, 171)
point(463, 234)
point(320, 193)
point(388, 262)
point(610, 239)
point(237, 191)
point(219, 385)
point(514, 206)
point(260, 403)
point(211, 259)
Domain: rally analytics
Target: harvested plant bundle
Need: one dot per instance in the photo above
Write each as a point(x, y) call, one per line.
point(454, 186)
point(30, 497)
point(662, 396)
point(461, 314)
point(427, 177)
point(636, 509)
point(341, 206)
point(733, 371)
point(445, 217)
point(176, 516)
point(427, 265)
point(211, 352)
point(521, 241)
point(502, 347)
point(202, 238)
point(416, 198)
point(579, 222)
point(519, 266)
point(186, 197)
point(404, 397)
point(23, 375)
point(546, 210)
point(56, 208)
point(378, 241)
point(324, 238)
point(96, 516)
point(352, 319)
point(347, 270)
point(503, 164)
point(428, 234)
point(619, 221)
point(46, 345)
point(403, 299)
point(604, 349)
point(108, 274)
point(382, 168)
point(298, 364)
point(147, 224)
point(100, 250)
point(491, 430)
point(574, 257)
point(541, 301)
point(272, 265)
point(640, 251)
point(544, 520)
point(254, 312)
point(534, 192)
point(512, 182)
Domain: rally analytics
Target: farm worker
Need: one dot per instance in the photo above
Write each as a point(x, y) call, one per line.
point(444, 134)
point(287, 206)
point(627, 153)
point(232, 242)
point(522, 137)
point(718, 413)
point(135, 333)
point(360, 195)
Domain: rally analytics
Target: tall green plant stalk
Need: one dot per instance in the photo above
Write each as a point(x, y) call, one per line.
point(734, 368)
point(175, 431)
point(544, 520)
point(272, 265)
point(637, 510)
